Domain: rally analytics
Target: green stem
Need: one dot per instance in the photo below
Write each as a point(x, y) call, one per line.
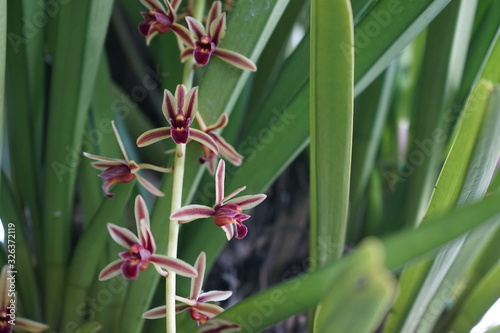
point(173, 235)
point(179, 162)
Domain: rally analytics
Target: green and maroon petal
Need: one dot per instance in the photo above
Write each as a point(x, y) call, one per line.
point(187, 53)
point(219, 182)
point(30, 325)
point(155, 313)
point(149, 186)
point(218, 29)
point(183, 34)
point(169, 105)
point(235, 59)
point(141, 212)
point(234, 193)
point(195, 27)
point(229, 230)
point(111, 270)
point(175, 265)
point(220, 123)
point(152, 136)
point(190, 106)
point(191, 212)
point(214, 296)
point(248, 201)
point(122, 236)
point(204, 139)
point(209, 310)
point(197, 282)
point(214, 12)
point(227, 151)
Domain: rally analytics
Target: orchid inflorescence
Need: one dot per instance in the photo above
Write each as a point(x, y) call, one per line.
point(197, 44)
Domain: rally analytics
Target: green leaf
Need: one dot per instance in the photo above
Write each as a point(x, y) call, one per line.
point(484, 295)
point(365, 287)
point(448, 191)
point(91, 327)
point(69, 104)
point(331, 112)
point(384, 31)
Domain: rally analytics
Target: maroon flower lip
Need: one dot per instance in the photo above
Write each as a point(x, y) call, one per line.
point(227, 211)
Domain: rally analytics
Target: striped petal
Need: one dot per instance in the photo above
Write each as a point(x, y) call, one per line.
point(158, 312)
point(169, 105)
point(191, 212)
point(187, 301)
point(119, 140)
point(104, 159)
point(214, 12)
point(197, 282)
point(147, 239)
point(219, 325)
point(148, 186)
point(152, 4)
point(204, 139)
point(190, 106)
point(107, 164)
point(180, 96)
point(175, 4)
point(152, 136)
point(235, 59)
point(229, 230)
point(248, 201)
point(210, 310)
point(214, 296)
point(111, 270)
point(174, 265)
point(187, 53)
point(219, 182)
point(182, 34)
point(220, 123)
point(181, 308)
point(234, 193)
point(122, 236)
point(227, 151)
point(30, 325)
point(218, 29)
point(141, 212)
point(195, 26)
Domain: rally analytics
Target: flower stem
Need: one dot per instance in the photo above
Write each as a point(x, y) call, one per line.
point(179, 162)
point(174, 233)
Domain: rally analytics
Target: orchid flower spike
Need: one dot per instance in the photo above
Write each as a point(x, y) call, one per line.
point(123, 170)
point(8, 315)
point(206, 41)
point(160, 21)
point(197, 303)
point(180, 112)
point(227, 212)
point(141, 251)
point(225, 149)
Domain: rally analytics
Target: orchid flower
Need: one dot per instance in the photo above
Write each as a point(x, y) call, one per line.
point(197, 304)
point(227, 212)
point(206, 41)
point(179, 111)
point(225, 149)
point(141, 251)
point(8, 317)
point(123, 170)
point(160, 21)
